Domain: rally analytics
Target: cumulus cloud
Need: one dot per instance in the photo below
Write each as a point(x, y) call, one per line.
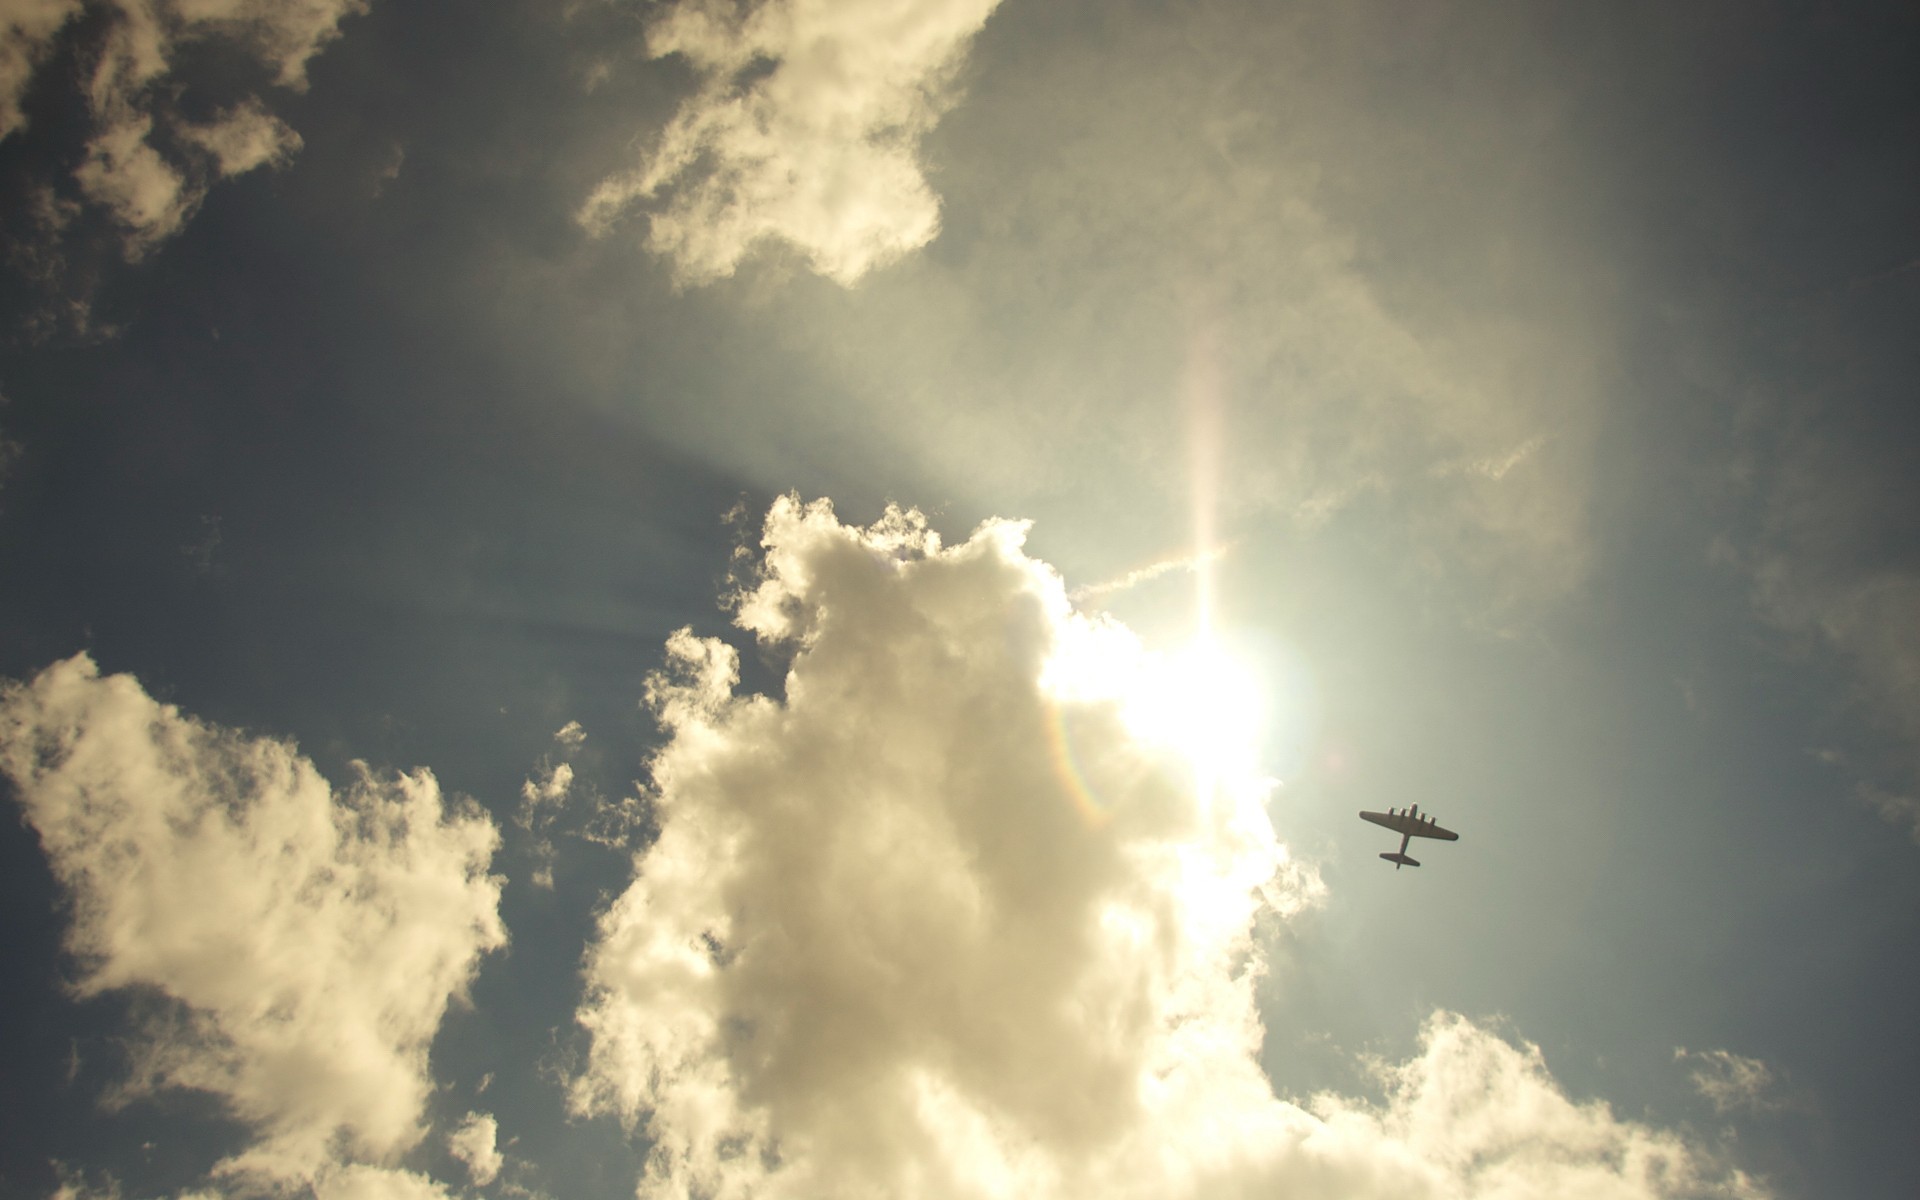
point(307, 940)
point(806, 130)
point(474, 1144)
point(954, 917)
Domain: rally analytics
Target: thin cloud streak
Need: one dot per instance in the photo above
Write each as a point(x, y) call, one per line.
point(1147, 574)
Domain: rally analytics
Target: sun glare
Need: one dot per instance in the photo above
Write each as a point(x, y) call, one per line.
point(1205, 705)
point(1202, 706)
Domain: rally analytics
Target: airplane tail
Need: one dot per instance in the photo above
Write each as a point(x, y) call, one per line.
point(1400, 860)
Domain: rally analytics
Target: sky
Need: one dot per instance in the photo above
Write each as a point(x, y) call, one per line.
point(794, 598)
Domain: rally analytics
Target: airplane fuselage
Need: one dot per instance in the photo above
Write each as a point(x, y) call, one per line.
point(1409, 825)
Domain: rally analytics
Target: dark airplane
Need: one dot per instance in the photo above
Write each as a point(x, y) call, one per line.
point(1409, 825)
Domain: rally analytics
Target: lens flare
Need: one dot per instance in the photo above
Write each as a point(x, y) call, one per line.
point(1200, 710)
point(1066, 722)
point(1201, 704)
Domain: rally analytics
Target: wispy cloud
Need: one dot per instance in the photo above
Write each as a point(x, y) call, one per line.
point(1173, 222)
point(1825, 567)
point(935, 922)
point(309, 940)
point(27, 29)
point(1731, 1082)
point(805, 130)
point(1493, 466)
point(146, 164)
point(1147, 574)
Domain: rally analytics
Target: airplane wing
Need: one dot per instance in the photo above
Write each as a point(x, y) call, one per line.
point(1413, 826)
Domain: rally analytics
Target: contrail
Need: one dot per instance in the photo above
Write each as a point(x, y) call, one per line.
point(1152, 571)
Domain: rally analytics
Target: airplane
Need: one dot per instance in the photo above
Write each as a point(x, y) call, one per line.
point(1409, 825)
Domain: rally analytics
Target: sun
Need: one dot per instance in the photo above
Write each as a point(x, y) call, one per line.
point(1203, 703)
point(1200, 708)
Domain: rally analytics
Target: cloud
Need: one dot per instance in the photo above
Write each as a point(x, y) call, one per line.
point(145, 163)
point(361, 1182)
point(950, 919)
point(27, 29)
point(805, 130)
point(284, 34)
point(1496, 466)
point(1213, 210)
point(474, 1144)
point(538, 792)
point(542, 801)
point(245, 137)
point(1898, 808)
point(124, 174)
point(1730, 1082)
point(1828, 565)
point(1147, 574)
point(554, 805)
point(307, 940)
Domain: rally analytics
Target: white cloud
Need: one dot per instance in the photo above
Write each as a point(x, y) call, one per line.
point(1730, 1082)
point(539, 792)
point(309, 940)
point(806, 130)
point(942, 921)
point(1204, 214)
point(474, 1144)
point(571, 736)
point(1147, 574)
point(362, 1182)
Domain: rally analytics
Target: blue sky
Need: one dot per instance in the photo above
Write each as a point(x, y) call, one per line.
point(386, 384)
